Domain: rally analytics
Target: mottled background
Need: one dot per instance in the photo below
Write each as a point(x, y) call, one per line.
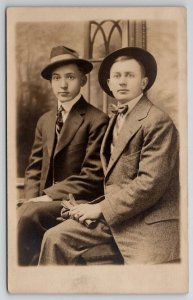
point(34, 42)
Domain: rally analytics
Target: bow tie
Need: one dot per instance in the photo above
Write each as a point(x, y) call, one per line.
point(119, 109)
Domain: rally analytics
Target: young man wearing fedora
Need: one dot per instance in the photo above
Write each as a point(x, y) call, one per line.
point(65, 157)
point(140, 159)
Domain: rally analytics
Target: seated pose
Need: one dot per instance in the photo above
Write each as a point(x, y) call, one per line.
point(65, 157)
point(140, 160)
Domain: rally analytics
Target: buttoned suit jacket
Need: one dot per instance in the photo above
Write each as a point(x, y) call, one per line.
point(142, 184)
point(72, 165)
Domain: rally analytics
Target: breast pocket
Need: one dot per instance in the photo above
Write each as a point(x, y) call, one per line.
point(130, 164)
point(76, 147)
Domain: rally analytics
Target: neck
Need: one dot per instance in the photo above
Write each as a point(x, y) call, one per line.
point(129, 101)
point(68, 105)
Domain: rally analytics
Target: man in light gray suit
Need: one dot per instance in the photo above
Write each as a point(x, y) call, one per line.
point(140, 159)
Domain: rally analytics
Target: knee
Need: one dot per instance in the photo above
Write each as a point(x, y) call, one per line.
point(57, 235)
point(28, 214)
point(52, 236)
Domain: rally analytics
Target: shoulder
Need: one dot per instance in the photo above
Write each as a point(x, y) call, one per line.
point(46, 117)
point(95, 113)
point(158, 124)
point(157, 116)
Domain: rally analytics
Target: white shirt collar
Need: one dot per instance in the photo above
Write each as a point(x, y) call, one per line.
point(132, 102)
point(68, 105)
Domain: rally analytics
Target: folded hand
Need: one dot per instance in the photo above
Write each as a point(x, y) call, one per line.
point(83, 212)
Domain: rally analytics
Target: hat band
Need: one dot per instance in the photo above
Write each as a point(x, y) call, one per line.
point(62, 57)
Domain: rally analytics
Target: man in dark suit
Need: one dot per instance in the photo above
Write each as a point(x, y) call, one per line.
point(65, 157)
point(140, 159)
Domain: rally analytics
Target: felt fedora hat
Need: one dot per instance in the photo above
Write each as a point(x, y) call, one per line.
point(62, 55)
point(141, 55)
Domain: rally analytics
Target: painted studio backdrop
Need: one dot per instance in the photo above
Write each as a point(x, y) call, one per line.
point(92, 40)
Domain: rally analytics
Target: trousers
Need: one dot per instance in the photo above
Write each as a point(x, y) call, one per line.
point(42, 238)
point(34, 219)
point(67, 242)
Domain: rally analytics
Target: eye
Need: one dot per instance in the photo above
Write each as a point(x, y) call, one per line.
point(55, 77)
point(71, 76)
point(116, 75)
point(131, 75)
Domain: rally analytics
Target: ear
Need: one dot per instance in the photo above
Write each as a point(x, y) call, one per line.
point(144, 82)
point(109, 83)
point(83, 80)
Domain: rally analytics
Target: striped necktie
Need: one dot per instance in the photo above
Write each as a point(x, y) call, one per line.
point(59, 120)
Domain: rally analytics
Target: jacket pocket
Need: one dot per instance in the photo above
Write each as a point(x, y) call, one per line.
point(151, 219)
point(130, 164)
point(131, 156)
point(76, 147)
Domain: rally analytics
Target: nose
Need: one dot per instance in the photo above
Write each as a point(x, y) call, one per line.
point(64, 83)
point(122, 81)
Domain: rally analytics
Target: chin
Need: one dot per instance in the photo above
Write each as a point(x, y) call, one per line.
point(120, 99)
point(62, 100)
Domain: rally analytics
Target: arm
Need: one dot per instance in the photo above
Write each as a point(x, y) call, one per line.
point(158, 161)
point(88, 184)
point(33, 171)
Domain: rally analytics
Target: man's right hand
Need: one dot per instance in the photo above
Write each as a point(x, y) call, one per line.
point(44, 198)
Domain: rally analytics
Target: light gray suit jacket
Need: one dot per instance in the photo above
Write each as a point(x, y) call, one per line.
point(142, 186)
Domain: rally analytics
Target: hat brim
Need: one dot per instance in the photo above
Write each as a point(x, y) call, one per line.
point(147, 60)
point(85, 65)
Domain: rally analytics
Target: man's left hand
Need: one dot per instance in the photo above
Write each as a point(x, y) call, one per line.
point(84, 212)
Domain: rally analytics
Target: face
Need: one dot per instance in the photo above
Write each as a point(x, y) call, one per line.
point(66, 82)
point(126, 80)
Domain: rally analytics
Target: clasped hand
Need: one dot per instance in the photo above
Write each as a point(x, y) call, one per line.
point(83, 212)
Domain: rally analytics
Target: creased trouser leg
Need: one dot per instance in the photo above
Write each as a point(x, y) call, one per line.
point(34, 218)
point(65, 243)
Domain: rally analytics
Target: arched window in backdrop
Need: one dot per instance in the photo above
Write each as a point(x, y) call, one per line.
point(102, 38)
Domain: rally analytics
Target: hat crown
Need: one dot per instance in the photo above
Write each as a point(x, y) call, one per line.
point(62, 55)
point(62, 50)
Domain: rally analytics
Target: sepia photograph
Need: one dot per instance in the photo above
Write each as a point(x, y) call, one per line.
point(97, 150)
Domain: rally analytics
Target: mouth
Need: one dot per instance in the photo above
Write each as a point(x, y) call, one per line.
point(63, 93)
point(123, 91)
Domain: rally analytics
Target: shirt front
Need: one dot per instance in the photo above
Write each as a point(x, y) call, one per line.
point(68, 106)
point(131, 104)
point(121, 119)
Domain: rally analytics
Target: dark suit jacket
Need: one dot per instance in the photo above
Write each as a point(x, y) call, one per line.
point(74, 165)
point(141, 181)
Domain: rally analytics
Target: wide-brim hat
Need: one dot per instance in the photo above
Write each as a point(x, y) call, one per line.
point(62, 55)
point(141, 55)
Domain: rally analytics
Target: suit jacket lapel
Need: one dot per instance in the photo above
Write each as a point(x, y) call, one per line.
point(50, 131)
point(105, 143)
point(130, 127)
point(71, 125)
